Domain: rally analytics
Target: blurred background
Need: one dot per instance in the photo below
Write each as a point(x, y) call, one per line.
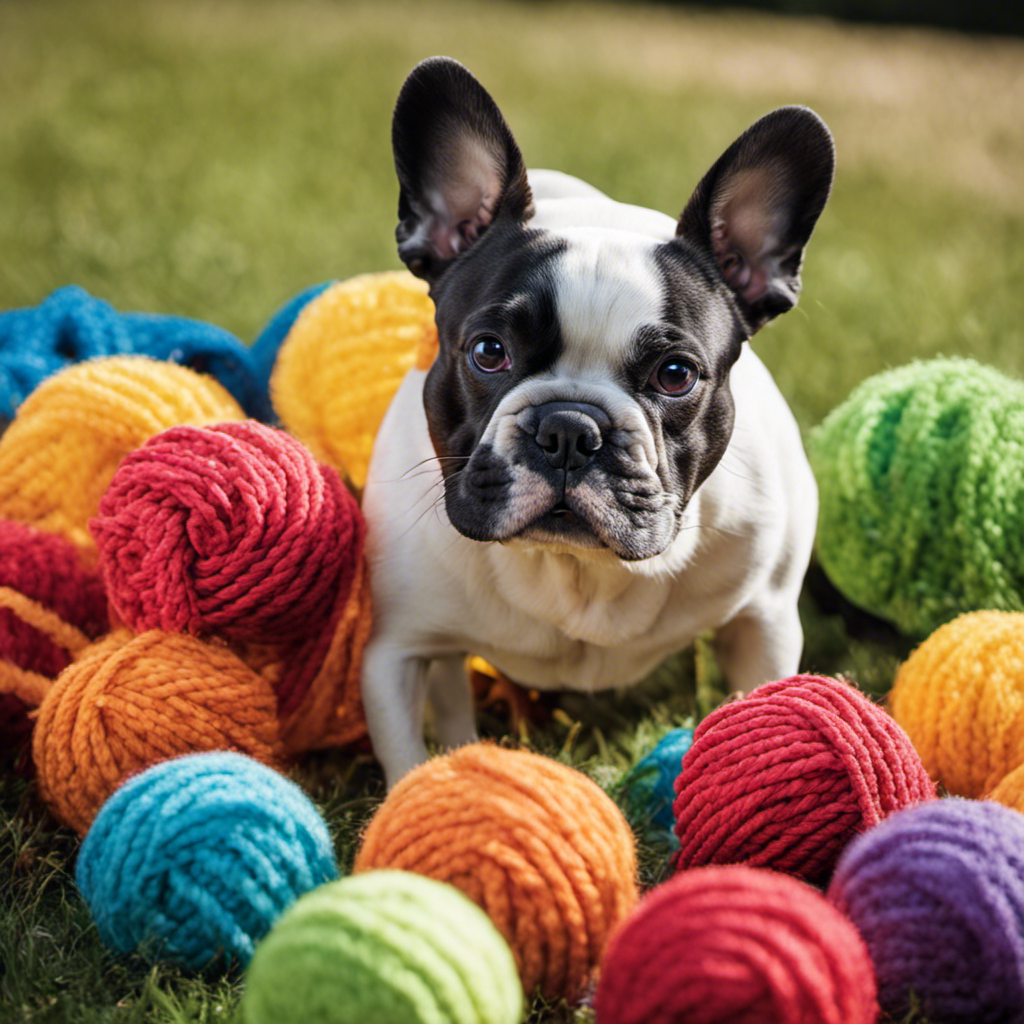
point(213, 158)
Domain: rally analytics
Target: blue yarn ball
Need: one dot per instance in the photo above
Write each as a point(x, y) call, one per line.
point(265, 348)
point(70, 325)
point(194, 859)
point(648, 786)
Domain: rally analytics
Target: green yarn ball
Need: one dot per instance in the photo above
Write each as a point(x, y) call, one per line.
point(381, 948)
point(921, 480)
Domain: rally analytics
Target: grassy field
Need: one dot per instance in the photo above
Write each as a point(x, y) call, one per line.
point(211, 159)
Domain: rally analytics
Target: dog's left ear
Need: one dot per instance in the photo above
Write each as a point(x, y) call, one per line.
point(459, 168)
point(757, 206)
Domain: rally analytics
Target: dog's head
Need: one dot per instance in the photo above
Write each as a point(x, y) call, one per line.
point(581, 393)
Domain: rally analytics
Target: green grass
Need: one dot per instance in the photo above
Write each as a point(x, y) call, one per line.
point(211, 159)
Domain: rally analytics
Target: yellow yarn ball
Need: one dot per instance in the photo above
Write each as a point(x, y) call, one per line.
point(341, 363)
point(960, 698)
point(59, 454)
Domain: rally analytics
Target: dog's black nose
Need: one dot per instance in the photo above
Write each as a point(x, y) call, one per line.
point(570, 433)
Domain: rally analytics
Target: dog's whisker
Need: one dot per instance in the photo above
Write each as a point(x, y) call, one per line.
point(432, 506)
point(428, 464)
point(739, 534)
point(421, 468)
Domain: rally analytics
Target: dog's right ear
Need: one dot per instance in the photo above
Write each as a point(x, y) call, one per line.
point(459, 168)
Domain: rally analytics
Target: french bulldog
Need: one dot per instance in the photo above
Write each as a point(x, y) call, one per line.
point(597, 468)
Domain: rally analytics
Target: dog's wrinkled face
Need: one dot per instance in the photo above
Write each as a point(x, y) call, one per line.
point(576, 401)
point(581, 394)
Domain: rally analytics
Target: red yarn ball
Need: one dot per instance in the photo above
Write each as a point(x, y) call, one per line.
point(233, 530)
point(736, 945)
point(785, 777)
point(46, 569)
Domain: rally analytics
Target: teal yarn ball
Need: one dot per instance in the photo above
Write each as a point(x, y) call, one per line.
point(193, 860)
point(647, 788)
point(383, 947)
point(921, 480)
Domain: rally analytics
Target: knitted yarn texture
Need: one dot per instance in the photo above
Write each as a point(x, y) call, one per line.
point(265, 348)
point(539, 846)
point(937, 892)
point(648, 788)
point(342, 362)
point(60, 453)
point(1009, 791)
point(379, 948)
point(51, 606)
point(70, 326)
point(785, 777)
point(736, 945)
point(960, 697)
point(193, 860)
point(235, 531)
point(129, 702)
point(921, 478)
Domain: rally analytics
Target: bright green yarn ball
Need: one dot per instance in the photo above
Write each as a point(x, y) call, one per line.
point(383, 947)
point(921, 480)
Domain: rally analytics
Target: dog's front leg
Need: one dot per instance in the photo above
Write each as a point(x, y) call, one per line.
point(394, 687)
point(759, 646)
point(451, 699)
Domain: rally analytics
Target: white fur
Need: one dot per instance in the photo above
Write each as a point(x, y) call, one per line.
point(578, 618)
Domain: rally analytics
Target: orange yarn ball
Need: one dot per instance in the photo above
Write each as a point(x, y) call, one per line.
point(131, 701)
point(539, 846)
point(329, 712)
point(960, 698)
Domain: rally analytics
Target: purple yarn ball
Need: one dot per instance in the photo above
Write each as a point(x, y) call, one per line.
point(937, 892)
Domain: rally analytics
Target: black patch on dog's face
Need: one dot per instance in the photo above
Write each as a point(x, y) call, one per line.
point(502, 288)
point(695, 434)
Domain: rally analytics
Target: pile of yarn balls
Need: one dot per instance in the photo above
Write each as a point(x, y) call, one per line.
point(814, 874)
point(176, 574)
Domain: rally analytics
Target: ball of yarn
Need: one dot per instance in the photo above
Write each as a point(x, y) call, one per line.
point(539, 846)
point(343, 359)
point(70, 326)
point(736, 945)
point(51, 606)
point(60, 453)
point(265, 348)
point(1009, 790)
point(937, 892)
point(921, 476)
point(235, 531)
point(787, 776)
point(383, 947)
point(960, 697)
point(194, 859)
point(46, 569)
point(129, 702)
point(648, 787)
point(232, 530)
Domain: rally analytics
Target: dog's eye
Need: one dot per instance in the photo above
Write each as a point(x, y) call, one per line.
point(490, 355)
point(674, 377)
